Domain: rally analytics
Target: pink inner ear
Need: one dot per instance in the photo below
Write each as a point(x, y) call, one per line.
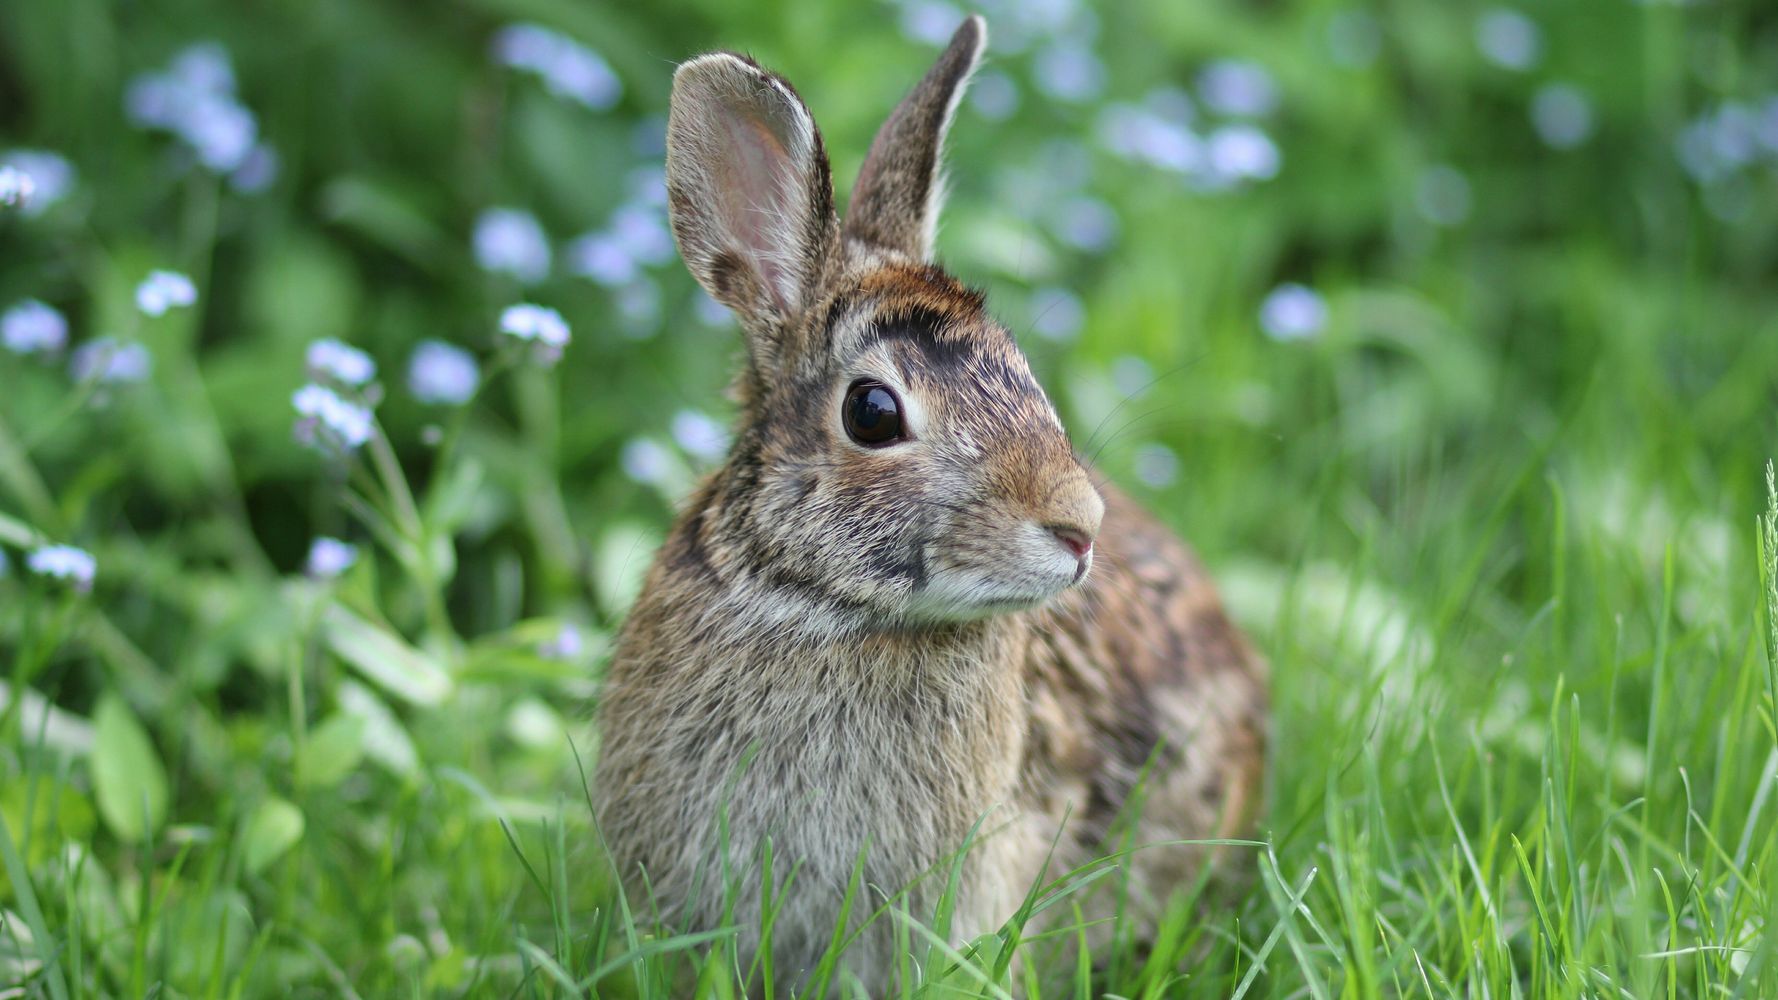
point(757, 185)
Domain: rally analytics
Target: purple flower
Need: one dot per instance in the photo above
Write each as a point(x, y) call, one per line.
point(33, 328)
point(512, 242)
point(329, 422)
point(442, 373)
point(329, 557)
point(108, 360)
point(1292, 312)
point(164, 290)
point(64, 562)
point(329, 358)
point(1238, 87)
point(568, 69)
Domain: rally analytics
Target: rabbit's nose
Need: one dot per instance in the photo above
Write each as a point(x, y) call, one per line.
point(1073, 539)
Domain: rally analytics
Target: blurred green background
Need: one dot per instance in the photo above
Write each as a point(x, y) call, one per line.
point(1447, 332)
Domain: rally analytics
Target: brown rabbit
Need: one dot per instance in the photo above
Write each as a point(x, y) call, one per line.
point(901, 606)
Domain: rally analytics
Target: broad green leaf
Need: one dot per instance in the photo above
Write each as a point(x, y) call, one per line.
point(385, 658)
point(385, 740)
point(17, 533)
point(274, 827)
point(330, 752)
point(128, 779)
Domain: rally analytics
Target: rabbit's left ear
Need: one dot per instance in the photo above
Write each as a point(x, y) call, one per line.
point(900, 187)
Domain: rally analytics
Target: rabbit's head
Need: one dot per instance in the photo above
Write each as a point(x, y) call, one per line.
point(896, 463)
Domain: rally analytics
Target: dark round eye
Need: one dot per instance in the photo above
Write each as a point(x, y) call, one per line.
point(872, 414)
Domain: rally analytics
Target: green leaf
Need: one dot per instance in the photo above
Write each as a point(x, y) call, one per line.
point(274, 827)
point(128, 779)
point(621, 561)
point(331, 751)
point(385, 658)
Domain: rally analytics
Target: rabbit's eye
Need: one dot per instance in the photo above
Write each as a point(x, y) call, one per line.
point(872, 414)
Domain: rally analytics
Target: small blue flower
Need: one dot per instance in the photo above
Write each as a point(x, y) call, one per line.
point(64, 562)
point(1132, 375)
point(164, 290)
point(929, 21)
point(1056, 313)
point(47, 178)
point(1238, 87)
point(512, 242)
point(568, 69)
point(602, 258)
point(994, 95)
point(647, 461)
point(1084, 223)
point(329, 557)
point(1562, 115)
point(195, 101)
point(1241, 152)
point(700, 436)
point(109, 361)
point(1068, 70)
point(33, 328)
point(329, 422)
point(1508, 39)
point(533, 322)
point(4, 565)
point(344, 363)
point(442, 373)
point(16, 186)
point(1292, 312)
point(567, 644)
point(258, 171)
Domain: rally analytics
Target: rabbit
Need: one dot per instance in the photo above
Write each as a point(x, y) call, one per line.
point(901, 618)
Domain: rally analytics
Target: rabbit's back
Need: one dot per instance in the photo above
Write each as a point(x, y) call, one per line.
point(1145, 702)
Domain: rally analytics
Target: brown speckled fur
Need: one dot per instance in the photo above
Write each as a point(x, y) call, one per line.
point(871, 650)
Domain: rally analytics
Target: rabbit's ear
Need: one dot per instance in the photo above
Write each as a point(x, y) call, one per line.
point(895, 204)
point(749, 191)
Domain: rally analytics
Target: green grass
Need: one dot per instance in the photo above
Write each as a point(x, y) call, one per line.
point(1505, 527)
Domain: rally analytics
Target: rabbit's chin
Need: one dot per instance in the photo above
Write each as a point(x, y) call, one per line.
point(971, 595)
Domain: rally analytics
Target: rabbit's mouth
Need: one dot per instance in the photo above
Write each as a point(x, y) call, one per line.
point(1009, 582)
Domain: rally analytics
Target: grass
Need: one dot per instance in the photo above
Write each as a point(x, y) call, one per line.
point(1504, 523)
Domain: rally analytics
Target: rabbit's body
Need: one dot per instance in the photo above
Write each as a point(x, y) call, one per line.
point(904, 741)
point(873, 633)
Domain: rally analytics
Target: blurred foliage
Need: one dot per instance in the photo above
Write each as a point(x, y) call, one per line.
point(1448, 332)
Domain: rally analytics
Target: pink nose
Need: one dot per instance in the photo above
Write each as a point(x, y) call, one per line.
point(1075, 540)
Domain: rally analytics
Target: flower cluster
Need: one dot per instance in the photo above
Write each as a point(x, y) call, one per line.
point(567, 68)
point(162, 291)
point(330, 423)
point(1729, 139)
point(74, 566)
point(34, 180)
point(508, 241)
point(538, 325)
point(441, 373)
point(194, 99)
point(30, 327)
point(109, 361)
point(16, 186)
point(342, 363)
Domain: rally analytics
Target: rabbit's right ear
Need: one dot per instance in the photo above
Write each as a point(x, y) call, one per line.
point(749, 192)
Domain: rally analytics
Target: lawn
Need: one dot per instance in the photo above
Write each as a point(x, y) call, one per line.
point(1447, 333)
